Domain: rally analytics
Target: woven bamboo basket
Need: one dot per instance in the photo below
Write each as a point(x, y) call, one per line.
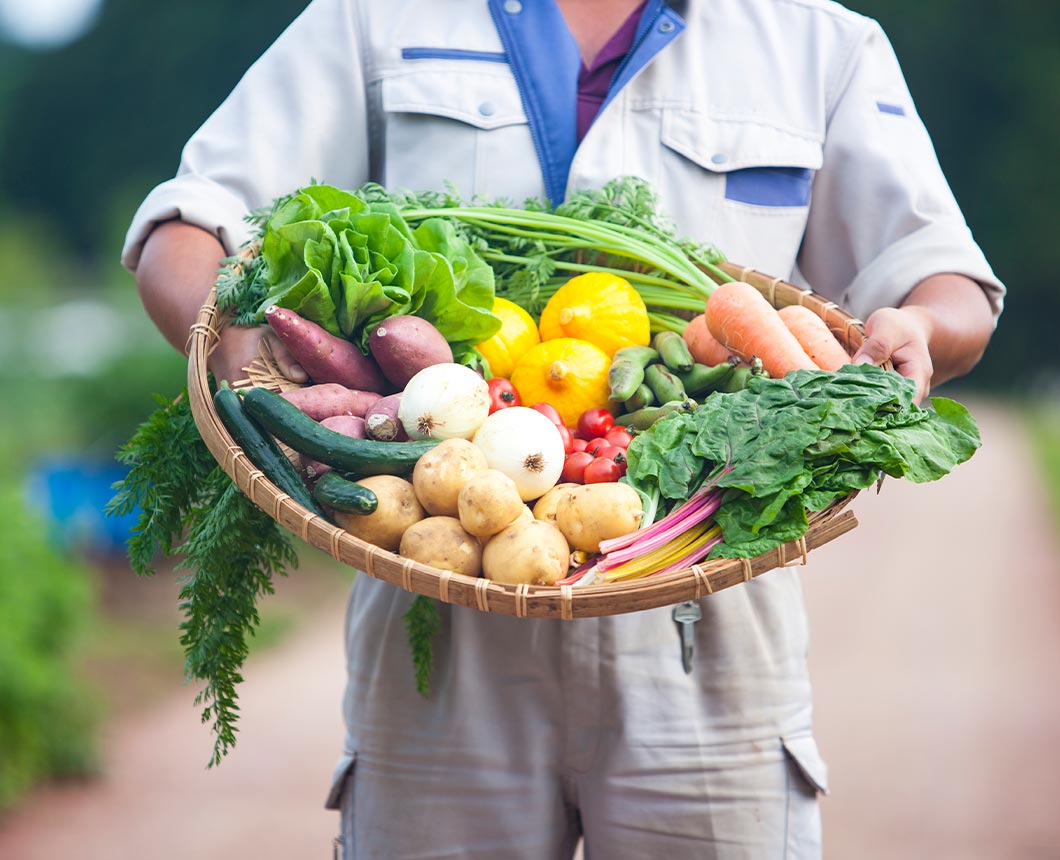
point(566, 602)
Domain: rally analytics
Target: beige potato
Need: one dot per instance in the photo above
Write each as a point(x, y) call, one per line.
point(442, 542)
point(488, 502)
point(441, 473)
point(545, 507)
point(525, 514)
point(397, 510)
point(596, 512)
point(528, 551)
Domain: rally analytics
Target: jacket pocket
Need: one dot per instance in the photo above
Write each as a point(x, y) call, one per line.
point(746, 185)
point(456, 124)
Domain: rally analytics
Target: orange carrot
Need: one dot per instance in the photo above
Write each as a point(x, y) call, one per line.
point(702, 344)
point(740, 318)
point(816, 338)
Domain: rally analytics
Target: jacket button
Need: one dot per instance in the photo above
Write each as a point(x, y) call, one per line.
point(513, 7)
point(486, 109)
point(719, 158)
point(666, 26)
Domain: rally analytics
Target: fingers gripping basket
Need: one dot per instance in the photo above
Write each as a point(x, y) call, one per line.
point(565, 602)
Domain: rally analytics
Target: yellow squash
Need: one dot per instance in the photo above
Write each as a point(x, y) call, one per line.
point(517, 334)
point(599, 307)
point(569, 373)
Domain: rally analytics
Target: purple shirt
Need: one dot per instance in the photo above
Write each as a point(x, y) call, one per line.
point(594, 81)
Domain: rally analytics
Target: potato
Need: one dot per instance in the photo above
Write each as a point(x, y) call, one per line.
point(528, 551)
point(442, 542)
point(441, 473)
point(525, 514)
point(488, 502)
point(545, 507)
point(596, 512)
point(398, 509)
point(403, 345)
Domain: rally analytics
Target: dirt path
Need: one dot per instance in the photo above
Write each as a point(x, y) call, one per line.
point(937, 703)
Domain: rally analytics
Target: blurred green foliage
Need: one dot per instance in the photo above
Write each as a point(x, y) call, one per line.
point(85, 132)
point(47, 715)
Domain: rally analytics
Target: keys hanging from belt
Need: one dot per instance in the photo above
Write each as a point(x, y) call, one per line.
point(686, 615)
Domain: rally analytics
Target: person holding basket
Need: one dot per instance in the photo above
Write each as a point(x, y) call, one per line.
point(781, 131)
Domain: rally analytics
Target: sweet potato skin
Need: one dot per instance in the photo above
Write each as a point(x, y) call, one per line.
point(403, 345)
point(382, 422)
point(330, 398)
point(323, 356)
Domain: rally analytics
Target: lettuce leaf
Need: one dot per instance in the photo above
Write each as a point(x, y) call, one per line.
point(347, 264)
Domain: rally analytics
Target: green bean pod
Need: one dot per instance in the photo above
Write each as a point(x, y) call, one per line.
point(673, 351)
point(642, 419)
point(704, 378)
point(663, 383)
point(641, 398)
point(627, 370)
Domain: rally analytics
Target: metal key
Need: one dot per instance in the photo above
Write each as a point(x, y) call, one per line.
point(687, 614)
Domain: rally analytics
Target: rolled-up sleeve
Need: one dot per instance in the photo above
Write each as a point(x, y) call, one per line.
point(883, 216)
point(298, 115)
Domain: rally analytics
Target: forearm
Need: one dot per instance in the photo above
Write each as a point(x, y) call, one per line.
point(176, 270)
point(958, 320)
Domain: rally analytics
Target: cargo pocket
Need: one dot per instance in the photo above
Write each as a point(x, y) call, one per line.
point(758, 179)
point(808, 778)
point(802, 750)
point(343, 774)
point(455, 123)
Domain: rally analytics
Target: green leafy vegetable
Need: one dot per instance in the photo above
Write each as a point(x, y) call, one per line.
point(232, 550)
point(782, 448)
point(422, 623)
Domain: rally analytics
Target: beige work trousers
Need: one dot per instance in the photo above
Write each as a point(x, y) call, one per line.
point(541, 731)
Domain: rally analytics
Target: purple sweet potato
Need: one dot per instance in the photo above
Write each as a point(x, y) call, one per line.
point(381, 420)
point(329, 398)
point(347, 425)
point(403, 345)
point(323, 356)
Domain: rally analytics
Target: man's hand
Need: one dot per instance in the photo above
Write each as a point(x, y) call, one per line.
point(177, 268)
point(901, 335)
point(239, 346)
point(938, 333)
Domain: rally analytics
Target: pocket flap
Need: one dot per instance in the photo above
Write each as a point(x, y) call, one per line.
point(338, 780)
point(803, 751)
point(725, 146)
point(481, 98)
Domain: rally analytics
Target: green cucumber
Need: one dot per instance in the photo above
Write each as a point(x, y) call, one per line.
point(263, 452)
point(342, 494)
point(293, 427)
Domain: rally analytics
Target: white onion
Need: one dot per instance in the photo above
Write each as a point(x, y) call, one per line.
point(444, 401)
point(526, 446)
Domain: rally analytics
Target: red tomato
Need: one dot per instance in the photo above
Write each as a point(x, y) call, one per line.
point(594, 445)
point(574, 467)
point(611, 452)
point(595, 422)
point(568, 440)
point(601, 471)
point(619, 436)
point(577, 444)
point(550, 412)
point(502, 394)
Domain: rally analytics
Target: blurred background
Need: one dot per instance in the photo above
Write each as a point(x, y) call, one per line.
point(96, 100)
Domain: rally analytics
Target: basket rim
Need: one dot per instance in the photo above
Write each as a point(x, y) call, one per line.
point(554, 601)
